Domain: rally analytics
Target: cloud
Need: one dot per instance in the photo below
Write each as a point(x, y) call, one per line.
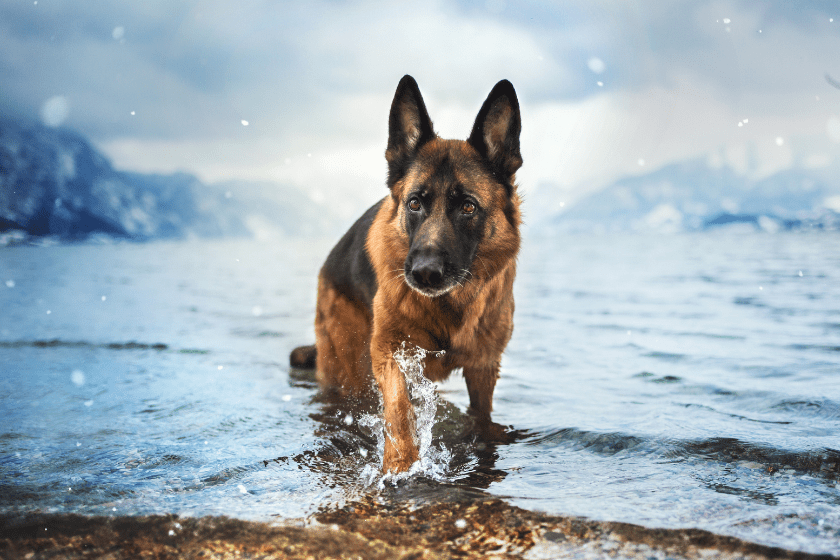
point(164, 86)
point(189, 67)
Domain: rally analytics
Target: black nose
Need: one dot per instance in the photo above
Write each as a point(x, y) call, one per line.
point(427, 271)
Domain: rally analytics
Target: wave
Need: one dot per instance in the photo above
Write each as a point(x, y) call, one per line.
point(130, 345)
point(824, 463)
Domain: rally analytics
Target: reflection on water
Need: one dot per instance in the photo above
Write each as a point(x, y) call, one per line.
point(686, 381)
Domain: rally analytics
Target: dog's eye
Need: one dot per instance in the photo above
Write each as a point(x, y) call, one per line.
point(414, 204)
point(468, 208)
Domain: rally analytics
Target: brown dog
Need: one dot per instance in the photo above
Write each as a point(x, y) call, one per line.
point(432, 264)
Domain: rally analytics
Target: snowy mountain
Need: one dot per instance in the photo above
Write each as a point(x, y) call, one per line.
point(692, 195)
point(53, 183)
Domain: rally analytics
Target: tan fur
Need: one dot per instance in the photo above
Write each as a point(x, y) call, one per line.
point(342, 341)
point(477, 318)
point(472, 322)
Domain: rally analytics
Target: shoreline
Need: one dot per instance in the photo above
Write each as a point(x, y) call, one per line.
point(369, 529)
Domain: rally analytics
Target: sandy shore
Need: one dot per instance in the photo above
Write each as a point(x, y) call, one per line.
point(368, 529)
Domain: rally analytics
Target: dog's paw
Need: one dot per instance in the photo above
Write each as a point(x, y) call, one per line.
point(396, 466)
point(491, 432)
point(398, 461)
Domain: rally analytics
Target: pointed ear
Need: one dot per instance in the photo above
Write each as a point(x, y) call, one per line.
point(409, 127)
point(495, 134)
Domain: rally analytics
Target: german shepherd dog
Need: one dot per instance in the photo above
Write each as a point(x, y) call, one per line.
point(431, 264)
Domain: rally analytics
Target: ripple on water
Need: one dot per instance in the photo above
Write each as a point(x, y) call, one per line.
point(732, 428)
point(817, 408)
point(823, 463)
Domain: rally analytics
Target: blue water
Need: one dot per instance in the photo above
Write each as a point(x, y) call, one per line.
point(670, 381)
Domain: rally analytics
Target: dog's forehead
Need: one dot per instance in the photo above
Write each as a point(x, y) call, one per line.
point(451, 167)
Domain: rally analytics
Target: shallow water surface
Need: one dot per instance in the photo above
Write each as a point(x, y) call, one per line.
point(674, 381)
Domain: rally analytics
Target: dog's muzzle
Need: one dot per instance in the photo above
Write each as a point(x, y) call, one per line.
point(425, 271)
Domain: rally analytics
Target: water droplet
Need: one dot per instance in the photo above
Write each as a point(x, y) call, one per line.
point(171, 533)
point(89, 403)
point(727, 20)
point(800, 273)
point(54, 111)
point(221, 367)
point(461, 524)
point(256, 311)
point(780, 141)
point(133, 113)
point(287, 398)
point(348, 419)
point(77, 377)
point(78, 444)
point(596, 65)
point(10, 283)
point(641, 162)
point(600, 84)
point(244, 122)
point(104, 298)
point(242, 489)
point(118, 33)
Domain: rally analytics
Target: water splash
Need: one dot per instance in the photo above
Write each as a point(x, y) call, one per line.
point(433, 460)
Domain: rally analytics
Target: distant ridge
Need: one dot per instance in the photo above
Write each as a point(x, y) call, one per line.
point(692, 196)
point(54, 183)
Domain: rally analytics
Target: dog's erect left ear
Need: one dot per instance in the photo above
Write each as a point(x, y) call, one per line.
point(495, 134)
point(409, 127)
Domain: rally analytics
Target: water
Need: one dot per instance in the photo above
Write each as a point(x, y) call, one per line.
point(674, 381)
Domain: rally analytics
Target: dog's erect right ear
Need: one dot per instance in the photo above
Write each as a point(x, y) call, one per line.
point(495, 134)
point(409, 127)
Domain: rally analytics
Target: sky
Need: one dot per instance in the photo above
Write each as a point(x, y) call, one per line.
point(299, 92)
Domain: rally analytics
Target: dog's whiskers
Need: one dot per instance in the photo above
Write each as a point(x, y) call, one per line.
point(400, 276)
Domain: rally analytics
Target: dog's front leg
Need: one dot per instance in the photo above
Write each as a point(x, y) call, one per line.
point(481, 381)
point(400, 448)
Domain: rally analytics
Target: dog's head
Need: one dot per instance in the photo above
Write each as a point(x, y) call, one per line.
point(456, 200)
